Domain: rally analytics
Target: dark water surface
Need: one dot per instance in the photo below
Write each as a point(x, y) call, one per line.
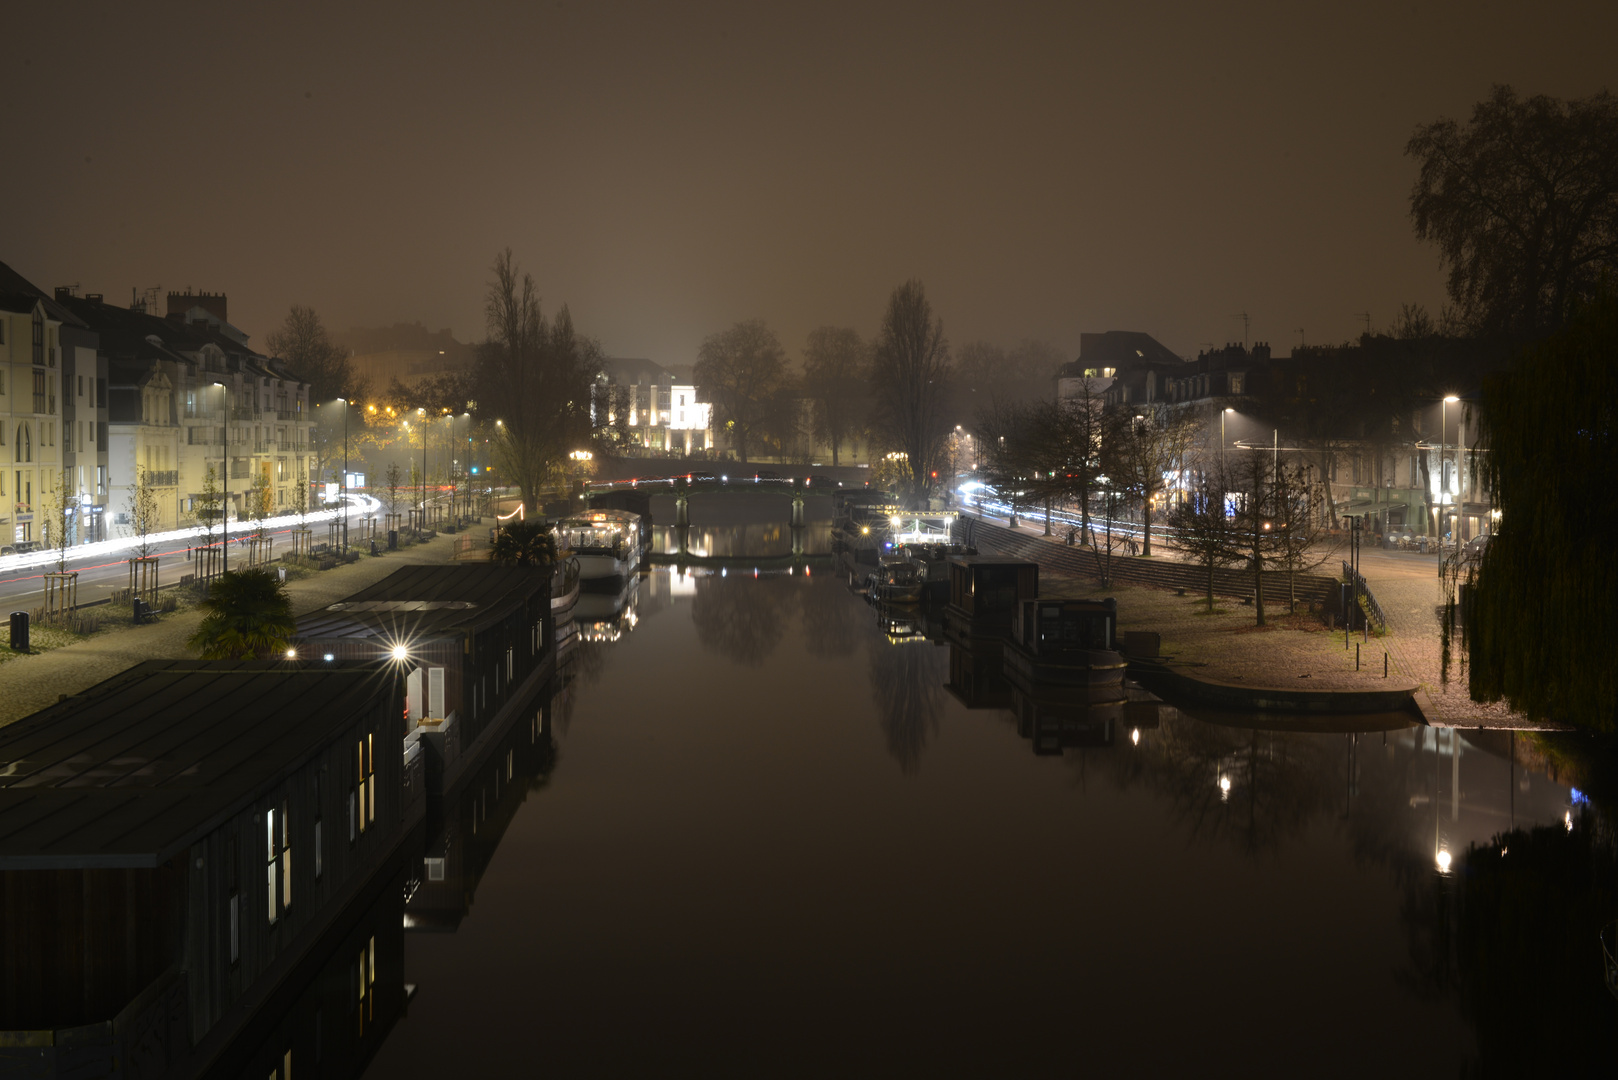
point(773, 842)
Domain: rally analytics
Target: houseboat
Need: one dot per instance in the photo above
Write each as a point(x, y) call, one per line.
point(984, 592)
point(468, 643)
point(932, 565)
point(606, 543)
point(176, 842)
point(862, 521)
point(1066, 643)
point(894, 581)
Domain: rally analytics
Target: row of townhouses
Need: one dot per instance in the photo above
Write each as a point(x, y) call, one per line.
point(96, 399)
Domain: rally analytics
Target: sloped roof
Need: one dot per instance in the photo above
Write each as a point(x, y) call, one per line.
point(135, 769)
point(18, 294)
point(432, 601)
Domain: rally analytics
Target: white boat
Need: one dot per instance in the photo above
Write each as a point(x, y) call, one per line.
point(606, 543)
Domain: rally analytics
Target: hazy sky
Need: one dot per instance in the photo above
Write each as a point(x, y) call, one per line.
point(668, 169)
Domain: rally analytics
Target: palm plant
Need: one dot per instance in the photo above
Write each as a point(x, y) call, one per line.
point(524, 543)
point(249, 616)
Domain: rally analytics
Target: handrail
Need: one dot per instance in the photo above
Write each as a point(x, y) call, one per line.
point(1351, 574)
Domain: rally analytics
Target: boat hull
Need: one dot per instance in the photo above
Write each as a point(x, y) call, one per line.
point(605, 567)
point(1078, 668)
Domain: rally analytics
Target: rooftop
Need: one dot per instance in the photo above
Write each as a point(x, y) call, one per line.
point(137, 768)
point(428, 601)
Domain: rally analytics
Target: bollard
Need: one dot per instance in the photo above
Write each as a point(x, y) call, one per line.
point(19, 631)
point(1384, 665)
point(1356, 656)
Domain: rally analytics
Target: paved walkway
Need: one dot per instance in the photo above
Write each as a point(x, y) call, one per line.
point(29, 683)
point(1412, 606)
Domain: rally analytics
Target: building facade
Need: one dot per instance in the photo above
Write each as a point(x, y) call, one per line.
point(186, 396)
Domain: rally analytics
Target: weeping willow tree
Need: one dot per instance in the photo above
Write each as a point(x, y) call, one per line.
point(1539, 633)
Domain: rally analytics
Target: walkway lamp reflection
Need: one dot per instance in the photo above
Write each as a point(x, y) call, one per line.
point(1443, 485)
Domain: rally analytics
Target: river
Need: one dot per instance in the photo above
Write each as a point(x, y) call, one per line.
point(773, 841)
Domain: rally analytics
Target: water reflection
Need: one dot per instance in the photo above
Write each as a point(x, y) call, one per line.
point(743, 616)
point(907, 684)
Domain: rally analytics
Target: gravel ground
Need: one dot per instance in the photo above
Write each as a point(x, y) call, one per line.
point(29, 683)
point(1228, 646)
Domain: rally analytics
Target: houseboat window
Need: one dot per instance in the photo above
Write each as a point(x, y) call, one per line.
point(318, 815)
point(270, 865)
point(234, 902)
point(365, 769)
point(286, 858)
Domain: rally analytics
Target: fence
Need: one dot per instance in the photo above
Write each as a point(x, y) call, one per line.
point(1155, 573)
point(1352, 575)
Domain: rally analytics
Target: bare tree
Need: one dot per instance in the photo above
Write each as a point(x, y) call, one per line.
point(311, 355)
point(742, 371)
point(142, 510)
point(535, 377)
point(1523, 205)
point(1205, 531)
point(1301, 541)
point(835, 362)
point(60, 510)
point(910, 373)
point(1140, 449)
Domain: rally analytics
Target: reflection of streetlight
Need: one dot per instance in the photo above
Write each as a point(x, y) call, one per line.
point(1224, 789)
point(1443, 407)
point(1134, 736)
point(1443, 860)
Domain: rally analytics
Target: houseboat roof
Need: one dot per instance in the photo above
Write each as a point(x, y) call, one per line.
point(421, 602)
point(989, 560)
point(131, 772)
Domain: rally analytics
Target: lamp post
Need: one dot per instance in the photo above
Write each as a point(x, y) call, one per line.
point(224, 502)
point(1222, 414)
point(344, 486)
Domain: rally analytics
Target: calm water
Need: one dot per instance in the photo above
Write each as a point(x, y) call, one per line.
point(773, 841)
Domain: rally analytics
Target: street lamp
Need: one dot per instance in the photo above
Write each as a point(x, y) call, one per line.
point(1222, 415)
point(344, 487)
point(224, 504)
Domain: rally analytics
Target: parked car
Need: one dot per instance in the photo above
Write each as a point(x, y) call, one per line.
point(1475, 547)
point(817, 480)
point(21, 547)
point(766, 474)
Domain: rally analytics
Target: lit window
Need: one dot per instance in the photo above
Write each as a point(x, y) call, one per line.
point(271, 863)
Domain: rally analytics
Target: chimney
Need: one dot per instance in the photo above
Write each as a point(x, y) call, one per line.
point(212, 303)
point(64, 292)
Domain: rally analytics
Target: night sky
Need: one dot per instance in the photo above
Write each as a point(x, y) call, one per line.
point(669, 169)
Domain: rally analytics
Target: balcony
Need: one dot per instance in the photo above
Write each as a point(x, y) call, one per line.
point(243, 412)
point(162, 477)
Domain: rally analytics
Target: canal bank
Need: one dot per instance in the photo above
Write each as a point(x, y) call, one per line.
point(1295, 663)
point(31, 683)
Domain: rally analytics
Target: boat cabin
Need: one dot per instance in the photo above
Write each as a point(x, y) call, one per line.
point(466, 642)
point(984, 591)
point(1052, 628)
point(194, 828)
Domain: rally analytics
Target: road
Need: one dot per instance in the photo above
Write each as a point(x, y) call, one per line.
point(23, 588)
